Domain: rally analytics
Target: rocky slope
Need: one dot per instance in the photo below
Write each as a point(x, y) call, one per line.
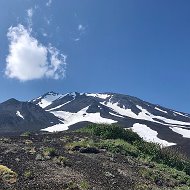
point(16, 117)
point(76, 161)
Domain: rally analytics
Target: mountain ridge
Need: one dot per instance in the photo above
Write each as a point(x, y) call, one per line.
point(74, 110)
point(117, 108)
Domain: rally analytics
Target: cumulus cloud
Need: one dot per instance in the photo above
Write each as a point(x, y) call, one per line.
point(28, 59)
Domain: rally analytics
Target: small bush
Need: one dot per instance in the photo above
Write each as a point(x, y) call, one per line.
point(119, 146)
point(28, 174)
point(49, 152)
point(173, 158)
point(26, 134)
point(148, 149)
point(82, 143)
point(61, 160)
point(84, 185)
point(111, 132)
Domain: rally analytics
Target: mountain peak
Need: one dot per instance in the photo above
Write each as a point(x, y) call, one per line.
point(51, 93)
point(12, 101)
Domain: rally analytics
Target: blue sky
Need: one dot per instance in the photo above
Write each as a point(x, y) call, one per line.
point(135, 47)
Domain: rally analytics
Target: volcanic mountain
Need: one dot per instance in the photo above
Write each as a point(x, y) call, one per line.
point(58, 112)
point(152, 122)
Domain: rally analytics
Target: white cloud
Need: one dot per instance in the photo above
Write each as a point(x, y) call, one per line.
point(47, 20)
point(30, 13)
point(77, 39)
point(49, 3)
point(81, 28)
point(28, 59)
point(44, 34)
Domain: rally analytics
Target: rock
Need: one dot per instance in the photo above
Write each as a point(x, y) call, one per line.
point(108, 174)
point(47, 157)
point(39, 157)
point(89, 150)
point(159, 182)
point(76, 148)
point(17, 159)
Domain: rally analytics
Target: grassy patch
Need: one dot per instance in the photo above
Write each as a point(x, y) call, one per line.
point(7, 175)
point(83, 143)
point(84, 185)
point(119, 146)
point(119, 140)
point(48, 151)
point(28, 174)
point(61, 160)
point(26, 134)
point(111, 132)
point(163, 175)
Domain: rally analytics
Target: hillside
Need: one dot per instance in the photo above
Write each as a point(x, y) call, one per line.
point(92, 158)
point(17, 116)
point(59, 112)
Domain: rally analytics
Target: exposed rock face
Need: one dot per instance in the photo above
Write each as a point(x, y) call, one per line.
point(16, 117)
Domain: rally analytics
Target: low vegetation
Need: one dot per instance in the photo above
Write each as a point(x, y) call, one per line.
point(111, 132)
point(99, 156)
point(7, 175)
point(28, 174)
point(168, 166)
point(49, 151)
point(26, 134)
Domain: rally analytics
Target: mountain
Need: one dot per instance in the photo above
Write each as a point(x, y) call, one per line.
point(152, 122)
point(16, 117)
point(58, 112)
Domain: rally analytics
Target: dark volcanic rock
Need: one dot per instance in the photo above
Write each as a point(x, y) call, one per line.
point(17, 117)
point(90, 150)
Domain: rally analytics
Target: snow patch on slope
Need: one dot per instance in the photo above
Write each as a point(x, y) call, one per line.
point(51, 97)
point(97, 95)
point(19, 114)
point(115, 115)
point(178, 113)
point(184, 132)
point(73, 118)
point(48, 99)
point(143, 115)
point(156, 108)
point(117, 109)
point(59, 106)
point(149, 135)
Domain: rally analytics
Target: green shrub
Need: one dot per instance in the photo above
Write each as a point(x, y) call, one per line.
point(49, 151)
point(61, 160)
point(82, 143)
point(149, 149)
point(26, 134)
point(84, 185)
point(131, 144)
point(119, 146)
point(28, 174)
point(111, 132)
point(173, 158)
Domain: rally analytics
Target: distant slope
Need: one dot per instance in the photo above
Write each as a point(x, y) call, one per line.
point(16, 117)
